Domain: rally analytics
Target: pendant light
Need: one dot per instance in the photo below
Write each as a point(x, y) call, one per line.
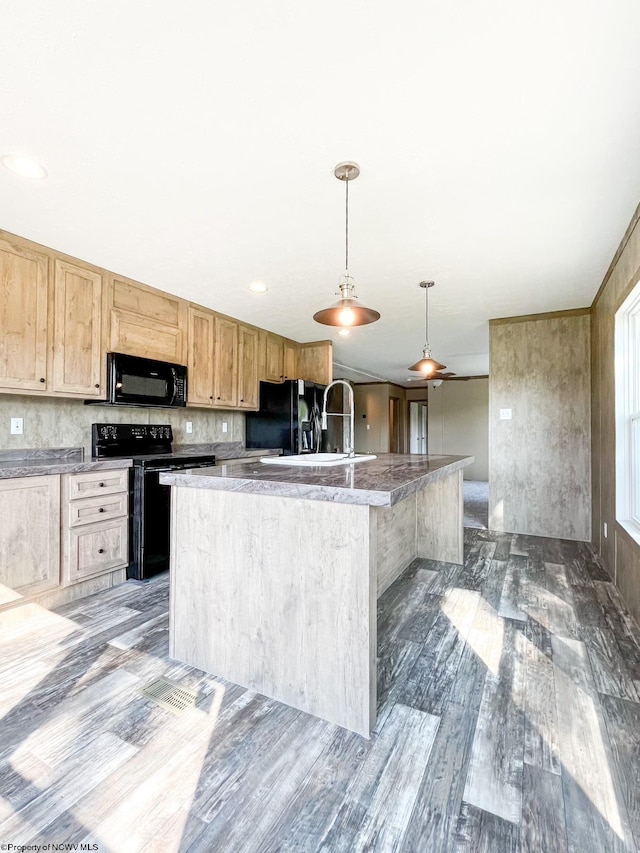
point(347, 311)
point(427, 365)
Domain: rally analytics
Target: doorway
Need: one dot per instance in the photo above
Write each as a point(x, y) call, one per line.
point(394, 425)
point(418, 427)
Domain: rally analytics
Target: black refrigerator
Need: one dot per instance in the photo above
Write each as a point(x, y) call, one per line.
point(289, 418)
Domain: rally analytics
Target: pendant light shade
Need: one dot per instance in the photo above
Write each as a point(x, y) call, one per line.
point(347, 311)
point(427, 365)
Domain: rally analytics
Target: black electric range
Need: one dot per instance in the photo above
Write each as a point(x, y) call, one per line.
point(150, 448)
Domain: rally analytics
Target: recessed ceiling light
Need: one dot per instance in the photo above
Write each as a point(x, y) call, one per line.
point(344, 332)
point(24, 166)
point(258, 287)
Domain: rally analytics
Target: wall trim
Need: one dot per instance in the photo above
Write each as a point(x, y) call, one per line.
point(548, 315)
point(623, 244)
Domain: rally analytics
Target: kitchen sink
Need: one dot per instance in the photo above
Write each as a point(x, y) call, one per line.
point(324, 459)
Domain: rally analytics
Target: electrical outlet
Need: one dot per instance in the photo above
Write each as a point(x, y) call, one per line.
point(368, 426)
point(17, 426)
point(224, 426)
point(606, 530)
point(188, 427)
point(505, 414)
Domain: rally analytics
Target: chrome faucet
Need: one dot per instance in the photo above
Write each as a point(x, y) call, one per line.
point(351, 414)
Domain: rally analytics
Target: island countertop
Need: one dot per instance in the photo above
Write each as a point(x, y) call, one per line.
point(383, 481)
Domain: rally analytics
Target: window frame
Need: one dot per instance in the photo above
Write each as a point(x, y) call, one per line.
point(627, 403)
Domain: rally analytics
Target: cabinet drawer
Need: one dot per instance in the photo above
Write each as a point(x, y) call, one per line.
point(91, 483)
point(97, 548)
point(101, 508)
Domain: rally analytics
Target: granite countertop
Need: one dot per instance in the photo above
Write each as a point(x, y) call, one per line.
point(383, 481)
point(40, 462)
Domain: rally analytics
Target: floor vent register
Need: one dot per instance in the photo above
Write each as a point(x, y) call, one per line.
point(170, 695)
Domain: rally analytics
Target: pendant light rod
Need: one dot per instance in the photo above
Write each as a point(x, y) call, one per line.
point(346, 229)
point(347, 311)
point(426, 285)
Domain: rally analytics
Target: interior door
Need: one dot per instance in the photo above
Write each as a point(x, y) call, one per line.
point(418, 427)
point(394, 425)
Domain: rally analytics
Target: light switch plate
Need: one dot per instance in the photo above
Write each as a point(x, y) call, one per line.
point(505, 414)
point(224, 426)
point(188, 427)
point(17, 426)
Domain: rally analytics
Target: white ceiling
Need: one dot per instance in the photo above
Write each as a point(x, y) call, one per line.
point(191, 146)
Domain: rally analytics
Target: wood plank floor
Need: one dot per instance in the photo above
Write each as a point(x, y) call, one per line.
point(509, 720)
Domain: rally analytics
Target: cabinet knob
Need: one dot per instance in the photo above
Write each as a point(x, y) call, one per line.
point(211, 397)
point(242, 400)
point(100, 550)
point(42, 379)
point(97, 385)
point(101, 509)
point(101, 484)
point(217, 398)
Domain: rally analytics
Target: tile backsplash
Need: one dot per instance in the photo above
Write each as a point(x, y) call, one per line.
point(58, 422)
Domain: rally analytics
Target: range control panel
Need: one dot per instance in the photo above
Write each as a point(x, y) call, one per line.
point(125, 439)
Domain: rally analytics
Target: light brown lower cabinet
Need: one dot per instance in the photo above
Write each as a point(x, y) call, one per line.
point(58, 530)
point(95, 526)
point(29, 536)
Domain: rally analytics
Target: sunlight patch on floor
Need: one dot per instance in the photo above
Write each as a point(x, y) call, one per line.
point(147, 813)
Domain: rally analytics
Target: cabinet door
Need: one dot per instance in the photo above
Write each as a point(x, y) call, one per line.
point(23, 318)
point(29, 536)
point(290, 360)
point(77, 351)
point(200, 360)
point(316, 362)
point(274, 358)
point(146, 322)
point(247, 368)
point(225, 369)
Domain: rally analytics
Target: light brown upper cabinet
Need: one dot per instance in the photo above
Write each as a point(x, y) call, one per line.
point(225, 363)
point(316, 362)
point(290, 359)
point(200, 357)
point(24, 292)
point(247, 367)
point(274, 358)
point(145, 322)
point(78, 365)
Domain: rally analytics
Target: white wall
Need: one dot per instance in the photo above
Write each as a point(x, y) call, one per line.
point(459, 423)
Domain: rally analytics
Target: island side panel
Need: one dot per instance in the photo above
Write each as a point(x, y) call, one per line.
point(278, 595)
point(440, 516)
point(396, 538)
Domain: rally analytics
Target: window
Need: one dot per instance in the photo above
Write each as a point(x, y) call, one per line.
point(628, 413)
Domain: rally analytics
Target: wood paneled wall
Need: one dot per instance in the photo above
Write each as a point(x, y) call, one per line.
point(539, 460)
point(621, 554)
point(458, 423)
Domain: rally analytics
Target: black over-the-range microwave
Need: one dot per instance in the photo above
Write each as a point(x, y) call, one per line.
point(134, 381)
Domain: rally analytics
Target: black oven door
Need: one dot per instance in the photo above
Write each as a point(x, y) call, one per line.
point(145, 382)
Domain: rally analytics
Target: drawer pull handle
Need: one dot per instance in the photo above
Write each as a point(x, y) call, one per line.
point(101, 509)
point(100, 550)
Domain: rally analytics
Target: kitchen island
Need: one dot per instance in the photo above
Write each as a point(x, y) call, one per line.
point(276, 570)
